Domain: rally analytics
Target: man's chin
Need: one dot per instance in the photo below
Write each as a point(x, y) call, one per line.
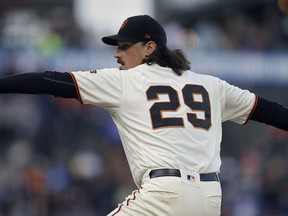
point(122, 67)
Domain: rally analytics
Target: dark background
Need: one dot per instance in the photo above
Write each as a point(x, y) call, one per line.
point(60, 158)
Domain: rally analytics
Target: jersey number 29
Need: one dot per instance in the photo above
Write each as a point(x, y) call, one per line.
point(195, 97)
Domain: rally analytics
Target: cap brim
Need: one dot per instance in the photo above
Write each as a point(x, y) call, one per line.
point(113, 39)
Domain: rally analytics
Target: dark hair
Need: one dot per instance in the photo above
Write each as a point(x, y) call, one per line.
point(166, 57)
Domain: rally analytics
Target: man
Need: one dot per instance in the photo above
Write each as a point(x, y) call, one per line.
point(169, 118)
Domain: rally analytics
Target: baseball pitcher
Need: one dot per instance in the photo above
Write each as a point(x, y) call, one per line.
point(168, 117)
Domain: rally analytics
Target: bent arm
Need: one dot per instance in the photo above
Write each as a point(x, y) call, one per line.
point(52, 83)
point(271, 113)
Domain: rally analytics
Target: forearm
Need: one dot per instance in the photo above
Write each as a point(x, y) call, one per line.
point(271, 113)
point(51, 83)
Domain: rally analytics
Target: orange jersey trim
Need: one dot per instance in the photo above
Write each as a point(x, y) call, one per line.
point(77, 87)
point(253, 109)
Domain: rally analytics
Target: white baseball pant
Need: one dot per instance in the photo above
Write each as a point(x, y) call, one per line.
point(173, 196)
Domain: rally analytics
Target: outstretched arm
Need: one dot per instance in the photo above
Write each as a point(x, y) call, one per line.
point(52, 83)
point(271, 113)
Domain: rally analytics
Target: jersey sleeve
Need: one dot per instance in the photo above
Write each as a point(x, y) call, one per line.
point(102, 88)
point(237, 104)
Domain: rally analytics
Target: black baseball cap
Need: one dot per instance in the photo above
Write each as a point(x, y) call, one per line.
point(136, 29)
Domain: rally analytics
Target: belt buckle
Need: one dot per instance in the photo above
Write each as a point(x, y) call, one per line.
point(191, 178)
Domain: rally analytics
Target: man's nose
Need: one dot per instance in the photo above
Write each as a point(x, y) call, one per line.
point(116, 53)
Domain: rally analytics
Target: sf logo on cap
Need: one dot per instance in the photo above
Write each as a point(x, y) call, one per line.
point(124, 24)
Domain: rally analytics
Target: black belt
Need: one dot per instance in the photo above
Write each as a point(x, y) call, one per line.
point(176, 172)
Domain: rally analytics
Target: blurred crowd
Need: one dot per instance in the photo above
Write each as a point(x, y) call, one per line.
point(60, 158)
point(259, 27)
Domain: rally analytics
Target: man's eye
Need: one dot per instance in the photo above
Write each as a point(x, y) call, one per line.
point(124, 46)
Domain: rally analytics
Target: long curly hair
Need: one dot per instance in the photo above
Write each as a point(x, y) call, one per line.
point(165, 57)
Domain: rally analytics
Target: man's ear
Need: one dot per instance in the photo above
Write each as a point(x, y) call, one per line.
point(150, 47)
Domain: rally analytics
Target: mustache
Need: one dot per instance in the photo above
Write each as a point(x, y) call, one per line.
point(120, 62)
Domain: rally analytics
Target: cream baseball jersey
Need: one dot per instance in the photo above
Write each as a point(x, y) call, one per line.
point(165, 120)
